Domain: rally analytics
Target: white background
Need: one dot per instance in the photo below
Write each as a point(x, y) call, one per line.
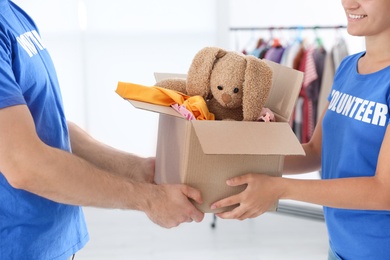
point(96, 43)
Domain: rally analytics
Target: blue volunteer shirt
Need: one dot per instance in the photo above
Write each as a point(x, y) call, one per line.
point(32, 227)
point(353, 129)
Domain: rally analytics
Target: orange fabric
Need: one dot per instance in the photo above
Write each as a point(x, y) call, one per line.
point(165, 97)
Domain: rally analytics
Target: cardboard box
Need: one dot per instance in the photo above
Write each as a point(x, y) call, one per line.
point(204, 153)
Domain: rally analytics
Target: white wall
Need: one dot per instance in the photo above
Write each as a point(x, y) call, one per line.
point(96, 43)
point(122, 41)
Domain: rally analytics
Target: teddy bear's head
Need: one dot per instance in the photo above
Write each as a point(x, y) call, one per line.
point(226, 80)
point(236, 86)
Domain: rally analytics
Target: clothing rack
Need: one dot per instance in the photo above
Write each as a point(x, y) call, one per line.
point(270, 28)
point(277, 29)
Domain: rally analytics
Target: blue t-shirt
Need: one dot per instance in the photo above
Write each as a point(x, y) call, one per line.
point(353, 129)
point(32, 227)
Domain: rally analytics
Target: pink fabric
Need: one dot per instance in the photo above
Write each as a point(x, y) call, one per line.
point(310, 72)
point(266, 115)
point(183, 111)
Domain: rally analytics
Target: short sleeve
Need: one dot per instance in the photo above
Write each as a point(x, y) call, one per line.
point(10, 92)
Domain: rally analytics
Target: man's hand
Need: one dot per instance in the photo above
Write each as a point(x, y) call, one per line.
point(169, 205)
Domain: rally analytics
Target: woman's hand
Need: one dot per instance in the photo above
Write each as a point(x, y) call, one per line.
point(261, 193)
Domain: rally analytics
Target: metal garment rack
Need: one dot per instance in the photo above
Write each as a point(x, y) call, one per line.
point(270, 28)
point(298, 29)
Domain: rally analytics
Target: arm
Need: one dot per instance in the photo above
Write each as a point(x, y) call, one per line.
point(108, 158)
point(29, 164)
point(350, 193)
point(312, 161)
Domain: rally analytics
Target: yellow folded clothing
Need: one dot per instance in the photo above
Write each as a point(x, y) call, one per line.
point(165, 97)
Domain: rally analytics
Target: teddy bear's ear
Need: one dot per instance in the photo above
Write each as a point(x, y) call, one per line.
point(256, 87)
point(198, 78)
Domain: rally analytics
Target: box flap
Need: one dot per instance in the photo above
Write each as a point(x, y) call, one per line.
point(286, 85)
point(155, 108)
point(252, 138)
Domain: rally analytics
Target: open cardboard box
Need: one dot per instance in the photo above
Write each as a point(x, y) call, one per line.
point(205, 153)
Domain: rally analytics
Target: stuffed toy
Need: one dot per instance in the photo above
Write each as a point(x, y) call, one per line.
point(235, 86)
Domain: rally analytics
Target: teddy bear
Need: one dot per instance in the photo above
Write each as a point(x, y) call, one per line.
point(234, 85)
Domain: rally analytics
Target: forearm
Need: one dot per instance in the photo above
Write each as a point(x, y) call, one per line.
point(109, 158)
point(349, 193)
point(29, 164)
point(65, 178)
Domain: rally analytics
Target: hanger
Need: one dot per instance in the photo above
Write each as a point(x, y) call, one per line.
point(318, 40)
point(298, 36)
point(253, 41)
